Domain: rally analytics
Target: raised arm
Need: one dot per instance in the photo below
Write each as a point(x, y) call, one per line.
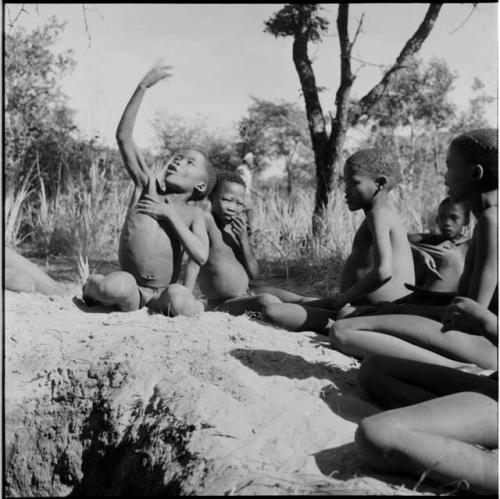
point(484, 275)
point(192, 271)
point(382, 261)
point(134, 162)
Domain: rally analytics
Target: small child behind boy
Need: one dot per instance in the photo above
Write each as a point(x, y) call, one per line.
point(224, 278)
point(439, 258)
point(380, 262)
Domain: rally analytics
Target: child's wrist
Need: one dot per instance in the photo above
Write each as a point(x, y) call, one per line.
point(142, 86)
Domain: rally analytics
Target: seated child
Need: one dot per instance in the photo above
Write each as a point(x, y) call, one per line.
point(380, 262)
point(442, 421)
point(159, 226)
point(24, 276)
point(439, 258)
point(224, 279)
point(472, 177)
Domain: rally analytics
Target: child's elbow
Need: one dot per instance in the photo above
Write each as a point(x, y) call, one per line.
point(384, 273)
point(201, 258)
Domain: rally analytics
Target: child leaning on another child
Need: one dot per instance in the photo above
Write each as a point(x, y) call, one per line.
point(224, 278)
point(439, 258)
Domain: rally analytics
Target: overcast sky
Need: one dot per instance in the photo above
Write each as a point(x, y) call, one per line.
point(221, 56)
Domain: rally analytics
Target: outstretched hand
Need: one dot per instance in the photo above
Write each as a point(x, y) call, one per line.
point(158, 72)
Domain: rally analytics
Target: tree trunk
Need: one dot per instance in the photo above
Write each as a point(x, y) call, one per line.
point(316, 122)
point(289, 181)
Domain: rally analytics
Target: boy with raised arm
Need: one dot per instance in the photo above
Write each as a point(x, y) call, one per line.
point(224, 279)
point(380, 262)
point(159, 226)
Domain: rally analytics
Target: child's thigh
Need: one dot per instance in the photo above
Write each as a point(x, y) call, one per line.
point(240, 305)
point(298, 318)
point(466, 416)
point(426, 333)
point(16, 280)
point(438, 380)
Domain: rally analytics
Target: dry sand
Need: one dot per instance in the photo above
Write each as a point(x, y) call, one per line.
point(114, 403)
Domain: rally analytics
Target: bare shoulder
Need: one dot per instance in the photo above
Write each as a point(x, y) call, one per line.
point(488, 218)
point(382, 216)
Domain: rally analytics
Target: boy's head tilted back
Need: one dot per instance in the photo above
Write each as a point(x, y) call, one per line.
point(472, 163)
point(189, 170)
point(452, 218)
point(366, 173)
point(228, 196)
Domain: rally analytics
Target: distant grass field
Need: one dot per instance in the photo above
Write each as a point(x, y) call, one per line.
point(85, 218)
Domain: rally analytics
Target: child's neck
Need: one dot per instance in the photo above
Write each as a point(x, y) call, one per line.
point(483, 201)
point(177, 198)
point(380, 199)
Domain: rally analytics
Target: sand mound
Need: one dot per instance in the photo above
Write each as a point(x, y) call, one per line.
point(114, 403)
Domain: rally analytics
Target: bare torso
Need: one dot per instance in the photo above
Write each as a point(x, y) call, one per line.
point(150, 250)
point(360, 261)
point(223, 276)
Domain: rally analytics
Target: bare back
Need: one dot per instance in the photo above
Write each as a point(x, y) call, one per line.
point(223, 276)
point(361, 260)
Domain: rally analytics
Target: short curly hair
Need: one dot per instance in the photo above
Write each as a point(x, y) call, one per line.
point(376, 162)
point(210, 177)
point(480, 146)
point(223, 177)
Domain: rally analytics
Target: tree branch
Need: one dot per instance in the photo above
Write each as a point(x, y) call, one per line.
point(84, 9)
point(339, 123)
point(358, 31)
point(411, 47)
point(465, 20)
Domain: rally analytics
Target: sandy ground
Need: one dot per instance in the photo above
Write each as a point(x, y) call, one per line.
point(270, 411)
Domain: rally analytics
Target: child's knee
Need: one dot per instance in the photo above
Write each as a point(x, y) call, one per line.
point(339, 335)
point(271, 312)
point(265, 299)
point(178, 300)
point(117, 285)
point(375, 437)
point(17, 281)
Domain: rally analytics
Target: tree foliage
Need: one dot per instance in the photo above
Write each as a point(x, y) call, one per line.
point(175, 132)
point(277, 131)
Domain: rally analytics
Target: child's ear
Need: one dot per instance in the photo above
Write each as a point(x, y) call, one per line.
point(477, 172)
point(381, 182)
point(201, 187)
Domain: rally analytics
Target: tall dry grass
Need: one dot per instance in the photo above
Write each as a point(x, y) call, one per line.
point(84, 218)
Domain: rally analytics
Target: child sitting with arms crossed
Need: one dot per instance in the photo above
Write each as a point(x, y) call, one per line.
point(439, 258)
point(439, 421)
point(159, 226)
point(472, 177)
point(380, 262)
point(224, 278)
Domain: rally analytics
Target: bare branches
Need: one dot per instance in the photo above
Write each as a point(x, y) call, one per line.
point(13, 21)
point(411, 47)
point(84, 9)
point(358, 30)
point(465, 20)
